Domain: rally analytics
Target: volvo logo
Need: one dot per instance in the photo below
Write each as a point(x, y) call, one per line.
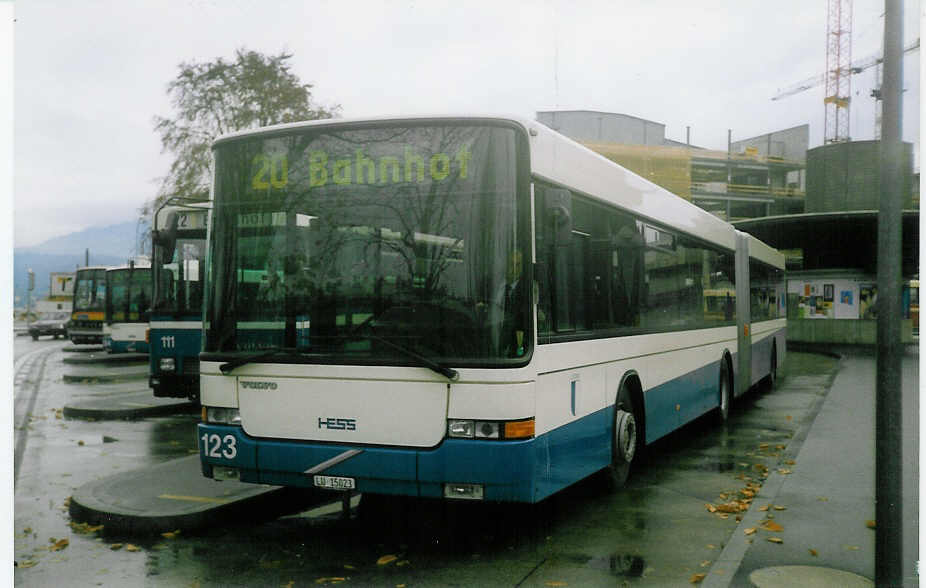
point(259, 385)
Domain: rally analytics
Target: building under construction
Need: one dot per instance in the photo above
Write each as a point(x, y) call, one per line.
point(755, 177)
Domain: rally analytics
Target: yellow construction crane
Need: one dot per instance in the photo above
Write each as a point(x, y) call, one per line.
point(855, 67)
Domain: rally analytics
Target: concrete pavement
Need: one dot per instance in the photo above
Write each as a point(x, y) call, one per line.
point(812, 522)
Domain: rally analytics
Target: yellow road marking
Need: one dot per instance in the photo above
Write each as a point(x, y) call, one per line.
point(194, 498)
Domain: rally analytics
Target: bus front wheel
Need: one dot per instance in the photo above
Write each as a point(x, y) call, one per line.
point(624, 441)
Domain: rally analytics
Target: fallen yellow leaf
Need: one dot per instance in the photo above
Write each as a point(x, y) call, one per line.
point(697, 578)
point(772, 526)
point(705, 563)
point(116, 546)
point(784, 471)
point(779, 507)
point(385, 560)
point(131, 547)
point(555, 583)
point(170, 534)
point(870, 524)
point(749, 531)
point(763, 508)
point(775, 539)
point(813, 552)
point(59, 545)
point(710, 507)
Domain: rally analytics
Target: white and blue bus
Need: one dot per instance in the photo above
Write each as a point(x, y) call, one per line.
point(175, 336)
point(128, 304)
point(463, 307)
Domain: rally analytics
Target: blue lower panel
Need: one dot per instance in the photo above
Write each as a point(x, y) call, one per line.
point(511, 471)
point(671, 405)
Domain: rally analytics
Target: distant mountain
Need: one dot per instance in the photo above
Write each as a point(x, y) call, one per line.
point(112, 245)
point(115, 240)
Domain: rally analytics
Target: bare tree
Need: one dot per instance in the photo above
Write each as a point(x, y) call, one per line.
point(220, 96)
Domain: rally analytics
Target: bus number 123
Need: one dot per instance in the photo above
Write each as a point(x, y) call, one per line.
point(216, 446)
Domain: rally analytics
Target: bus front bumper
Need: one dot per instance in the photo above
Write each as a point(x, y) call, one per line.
point(504, 470)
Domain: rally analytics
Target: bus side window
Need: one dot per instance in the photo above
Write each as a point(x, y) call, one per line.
point(626, 262)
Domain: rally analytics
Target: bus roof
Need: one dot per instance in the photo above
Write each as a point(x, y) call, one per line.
point(92, 268)
point(560, 160)
point(138, 264)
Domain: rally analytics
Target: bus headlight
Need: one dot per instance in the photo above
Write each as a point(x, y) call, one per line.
point(464, 429)
point(221, 415)
point(167, 364)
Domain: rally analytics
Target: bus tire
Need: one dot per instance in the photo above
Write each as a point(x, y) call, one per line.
point(724, 392)
point(773, 369)
point(625, 440)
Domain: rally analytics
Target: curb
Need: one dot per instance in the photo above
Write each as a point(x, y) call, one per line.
point(94, 358)
point(83, 349)
point(101, 378)
point(126, 414)
point(247, 502)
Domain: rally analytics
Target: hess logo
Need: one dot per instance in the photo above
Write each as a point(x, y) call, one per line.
point(335, 424)
point(259, 385)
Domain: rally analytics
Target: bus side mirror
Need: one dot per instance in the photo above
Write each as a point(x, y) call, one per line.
point(166, 238)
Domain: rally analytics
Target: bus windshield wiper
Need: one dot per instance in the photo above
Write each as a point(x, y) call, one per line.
point(240, 361)
point(449, 373)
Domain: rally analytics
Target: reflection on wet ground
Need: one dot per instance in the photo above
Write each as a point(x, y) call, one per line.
point(656, 531)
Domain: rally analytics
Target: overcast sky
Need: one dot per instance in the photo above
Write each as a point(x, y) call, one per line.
point(90, 76)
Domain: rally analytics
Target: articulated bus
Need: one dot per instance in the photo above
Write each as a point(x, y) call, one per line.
point(463, 307)
point(179, 247)
point(128, 305)
point(89, 306)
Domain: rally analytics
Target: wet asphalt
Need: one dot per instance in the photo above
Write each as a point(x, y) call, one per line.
point(660, 530)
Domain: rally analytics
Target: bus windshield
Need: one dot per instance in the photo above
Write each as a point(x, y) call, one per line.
point(178, 283)
point(348, 242)
point(128, 294)
point(90, 290)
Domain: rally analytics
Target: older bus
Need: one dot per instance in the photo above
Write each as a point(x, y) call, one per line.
point(463, 307)
point(179, 248)
point(89, 307)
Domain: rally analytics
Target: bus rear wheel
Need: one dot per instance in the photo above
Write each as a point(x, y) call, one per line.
point(723, 410)
point(773, 369)
point(624, 441)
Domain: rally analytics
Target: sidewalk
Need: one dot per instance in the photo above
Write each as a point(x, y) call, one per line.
point(828, 495)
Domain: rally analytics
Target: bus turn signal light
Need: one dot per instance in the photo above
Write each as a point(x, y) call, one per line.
point(519, 429)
